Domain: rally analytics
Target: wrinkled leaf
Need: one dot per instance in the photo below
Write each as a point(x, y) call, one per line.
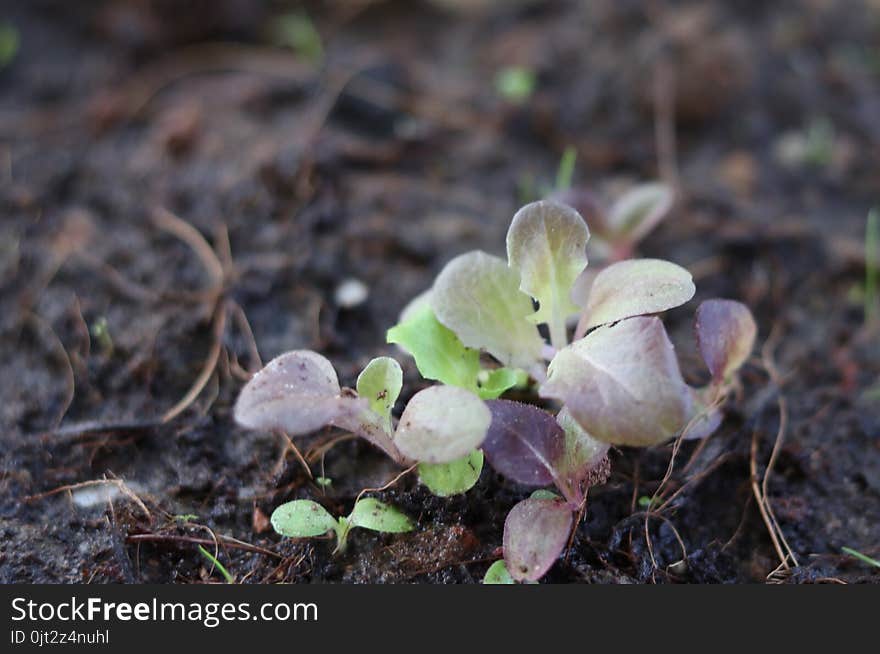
point(445, 479)
point(498, 574)
point(477, 296)
point(535, 533)
point(726, 334)
point(302, 519)
point(637, 287)
point(493, 383)
point(438, 353)
point(622, 383)
point(297, 392)
point(523, 442)
point(441, 424)
point(372, 514)
point(639, 210)
point(546, 243)
point(380, 383)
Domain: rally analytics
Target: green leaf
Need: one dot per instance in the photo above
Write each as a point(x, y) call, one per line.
point(546, 243)
point(445, 479)
point(515, 83)
point(498, 574)
point(544, 494)
point(495, 382)
point(441, 424)
point(372, 514)
point(477, 296)
point(637, 287)
point(380, 383)
point(438, 353)
point(303, 519)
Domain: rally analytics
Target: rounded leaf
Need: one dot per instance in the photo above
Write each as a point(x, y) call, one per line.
point(498, 574)
point(637, 287)
point(297, 392)
point(535, 533)
point(524, 443)
point(546, 243)
point(302, 519)
point(726, 334)
point(372, 514)
point(477, 296)
point(454, 478)
point(441, 424)
point(380, 383)
point(622, 383)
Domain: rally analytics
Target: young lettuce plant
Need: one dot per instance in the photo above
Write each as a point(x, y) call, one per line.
point(617, 383)
point(299, 393)
point(307, 519)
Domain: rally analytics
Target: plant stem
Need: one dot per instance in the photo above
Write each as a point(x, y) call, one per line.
point(558, 332)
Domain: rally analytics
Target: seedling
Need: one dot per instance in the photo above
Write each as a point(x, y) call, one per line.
point(299, 393)
point(515, 84)
point(617, 383)
point(307, 519)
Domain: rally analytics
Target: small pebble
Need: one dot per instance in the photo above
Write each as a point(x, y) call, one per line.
point(351, 293)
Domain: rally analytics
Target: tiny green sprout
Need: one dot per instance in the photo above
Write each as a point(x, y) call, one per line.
point(324, 482)
point(100, 331)
point(498, 574)
point(864, 558)
point(515, 83)
point(186, 517)
point(565, 172)
point(308, 519)
point(9, 44)
point(297, 31)
point(216, 564)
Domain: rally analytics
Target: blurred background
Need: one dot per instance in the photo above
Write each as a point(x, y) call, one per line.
point(191, 187)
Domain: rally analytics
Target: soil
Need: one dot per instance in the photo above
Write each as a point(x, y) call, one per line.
point(379, 161)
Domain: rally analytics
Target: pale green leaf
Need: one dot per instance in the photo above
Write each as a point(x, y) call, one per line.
point(637, 287)
point(546, 244)
point(302, 519)
point(372, 514)
point(498, 574)
point(445, 479)
point(441, 424)
point(477, 296)
point(380, 383)
point(438, 353)
point(622, 383)
point(495, 382)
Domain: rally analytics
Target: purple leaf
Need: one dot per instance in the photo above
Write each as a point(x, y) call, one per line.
point(523, 442)
point(725, 332)
point(535, 533)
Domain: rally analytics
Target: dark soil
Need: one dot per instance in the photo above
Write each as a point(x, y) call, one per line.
point(381, 163)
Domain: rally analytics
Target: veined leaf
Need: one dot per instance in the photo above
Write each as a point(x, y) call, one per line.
point(438, 352)
point(622, 383)
point(637, 287)
point(380, 383)
point(535, 533)
point(477, 296)
point(726, 334)
point(370, 513)
point(546, 243)
point(442, 424)
point(498, 574)
point(454, 478)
